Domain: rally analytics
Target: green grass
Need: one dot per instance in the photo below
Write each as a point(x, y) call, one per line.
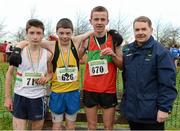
point(5, 121)
point(6, 118)
point(174, 120)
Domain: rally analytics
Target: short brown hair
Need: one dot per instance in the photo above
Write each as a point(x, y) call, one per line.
point(143, 19)
point(64, 23)
point(99, 9)
point(35, 23)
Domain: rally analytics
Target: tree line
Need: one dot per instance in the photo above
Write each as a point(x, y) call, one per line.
point(166, 33)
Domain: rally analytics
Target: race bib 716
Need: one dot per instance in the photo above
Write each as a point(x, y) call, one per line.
point(30, 78)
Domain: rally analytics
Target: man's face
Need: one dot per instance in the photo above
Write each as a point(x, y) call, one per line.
point(142, 32)
point(64, 35)
point(35, 35)
point(99, 20)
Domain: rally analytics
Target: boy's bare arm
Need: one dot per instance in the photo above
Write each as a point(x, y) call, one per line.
point(49, 45)
point(116, 55)
point(118, 58)
point(8, 99)
point(80, 38)
point(82, 48)
point(49, 66)
point(22, 44)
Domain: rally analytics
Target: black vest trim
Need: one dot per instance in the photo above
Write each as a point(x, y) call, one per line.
point(56, 55)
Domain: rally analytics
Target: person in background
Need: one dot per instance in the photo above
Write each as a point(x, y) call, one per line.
point(149, 78)
point(29, 100)
point(9, 49)
point(175, 53)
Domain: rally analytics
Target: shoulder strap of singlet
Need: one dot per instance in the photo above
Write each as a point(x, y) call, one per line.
point(74, 51)
point(56, 55)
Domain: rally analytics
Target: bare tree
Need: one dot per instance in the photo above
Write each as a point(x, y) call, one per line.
point(175, 35)
point(120, 24)
point(167, 34)
point(20, 34)
point(49, 29)
point(158, 29)
point(33, 12)
point(82, 24)
point(2, 26)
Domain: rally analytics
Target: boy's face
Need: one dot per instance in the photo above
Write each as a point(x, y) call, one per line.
point(35, 35)
point(99, 20)
point(64, 35)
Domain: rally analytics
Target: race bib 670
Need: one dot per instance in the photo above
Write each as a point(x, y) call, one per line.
point(98, 67)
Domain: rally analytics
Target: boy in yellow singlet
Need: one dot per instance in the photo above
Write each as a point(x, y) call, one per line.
point(65, 95)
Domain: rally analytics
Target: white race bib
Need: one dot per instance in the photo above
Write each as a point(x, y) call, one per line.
point(29, 78)
point(68, 74)
point(98, 67)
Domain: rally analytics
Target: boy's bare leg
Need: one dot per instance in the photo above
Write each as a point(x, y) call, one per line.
point(108, 118)
point(91, 114)
point(37, 124)
point(19, 124)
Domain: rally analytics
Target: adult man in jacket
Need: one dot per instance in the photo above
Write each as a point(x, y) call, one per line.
point(149, 80)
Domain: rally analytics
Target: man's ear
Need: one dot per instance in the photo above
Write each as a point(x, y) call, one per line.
point(151, 30)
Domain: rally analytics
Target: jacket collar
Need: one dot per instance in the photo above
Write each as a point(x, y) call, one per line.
point(148, 44)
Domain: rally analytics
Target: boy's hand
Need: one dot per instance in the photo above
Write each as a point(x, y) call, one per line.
point(42, 81)
point(8, 104)
point(107, 51)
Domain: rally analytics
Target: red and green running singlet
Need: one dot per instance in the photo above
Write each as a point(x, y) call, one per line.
point(100, 74)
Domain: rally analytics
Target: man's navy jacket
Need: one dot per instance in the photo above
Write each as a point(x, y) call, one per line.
point(149, 78)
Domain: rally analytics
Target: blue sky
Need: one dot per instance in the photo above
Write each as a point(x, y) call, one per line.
point(15, 13)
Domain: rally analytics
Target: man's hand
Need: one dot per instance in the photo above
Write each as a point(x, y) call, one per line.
point(117, 38)
point(162, 116)
point(8, 104)
point(15, 57)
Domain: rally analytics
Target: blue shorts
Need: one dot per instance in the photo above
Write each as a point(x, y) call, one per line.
point(29, 109)
point(66, 102)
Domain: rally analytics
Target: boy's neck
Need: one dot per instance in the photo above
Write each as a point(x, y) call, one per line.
point(100, 34)
point(65, 44)
point(33, 47)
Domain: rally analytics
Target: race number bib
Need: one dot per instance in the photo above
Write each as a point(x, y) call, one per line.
point(30, 78)
point(67, 74)
point(98, 67)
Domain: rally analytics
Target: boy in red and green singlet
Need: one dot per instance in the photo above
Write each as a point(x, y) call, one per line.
point(103, 59)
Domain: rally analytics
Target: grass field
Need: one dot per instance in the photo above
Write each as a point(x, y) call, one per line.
point(5, 117)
